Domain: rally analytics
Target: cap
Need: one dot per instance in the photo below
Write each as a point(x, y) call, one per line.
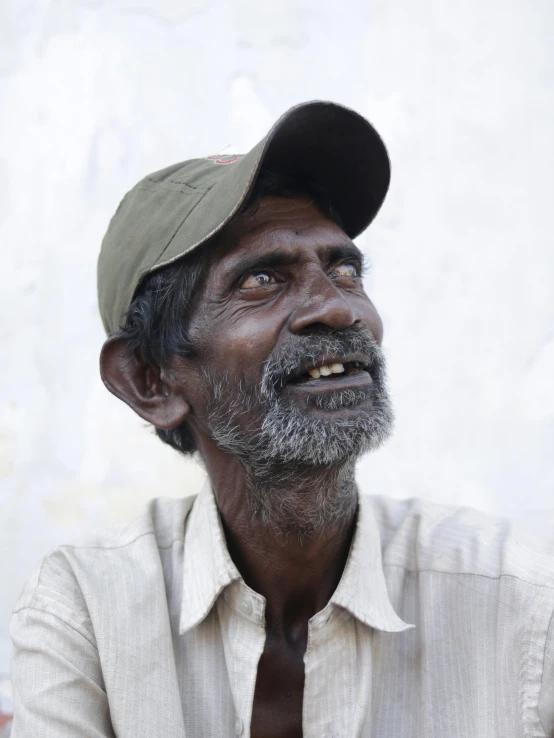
point(173, 211)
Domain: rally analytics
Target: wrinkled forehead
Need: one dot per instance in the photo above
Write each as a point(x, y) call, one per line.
point(283, 223)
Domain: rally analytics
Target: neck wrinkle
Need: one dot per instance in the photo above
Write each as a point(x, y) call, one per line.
point(301, 502)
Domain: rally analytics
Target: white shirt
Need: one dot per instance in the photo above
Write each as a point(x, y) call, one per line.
point(441, 626)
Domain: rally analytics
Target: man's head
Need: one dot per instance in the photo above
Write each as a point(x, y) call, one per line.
point(236, 327)
point(261, 343)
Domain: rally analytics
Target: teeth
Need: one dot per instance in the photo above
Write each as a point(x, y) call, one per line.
point(325, 371)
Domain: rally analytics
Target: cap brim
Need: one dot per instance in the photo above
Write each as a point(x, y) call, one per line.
point(338, 149)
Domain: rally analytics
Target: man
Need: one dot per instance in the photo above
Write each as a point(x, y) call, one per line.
point(278, 602)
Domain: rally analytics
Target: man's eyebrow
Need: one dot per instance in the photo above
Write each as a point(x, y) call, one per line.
point(251, 262)
point(329, 254)
point(342, 252)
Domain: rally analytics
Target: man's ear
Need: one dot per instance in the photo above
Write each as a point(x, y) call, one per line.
point(142, 386)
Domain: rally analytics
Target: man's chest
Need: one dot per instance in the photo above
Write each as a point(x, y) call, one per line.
point(278, 695)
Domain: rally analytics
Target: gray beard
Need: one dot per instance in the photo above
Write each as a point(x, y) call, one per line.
point(300, 468)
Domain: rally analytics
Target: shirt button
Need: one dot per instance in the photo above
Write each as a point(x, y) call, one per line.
point(246, 608)
point(238, 726)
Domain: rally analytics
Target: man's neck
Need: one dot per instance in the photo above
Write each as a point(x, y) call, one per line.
point(288, 533)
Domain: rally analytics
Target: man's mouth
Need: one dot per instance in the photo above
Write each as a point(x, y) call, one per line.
point(328, 370)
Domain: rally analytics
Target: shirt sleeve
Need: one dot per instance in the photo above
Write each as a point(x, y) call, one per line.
point(546, 699)
point(57, 680)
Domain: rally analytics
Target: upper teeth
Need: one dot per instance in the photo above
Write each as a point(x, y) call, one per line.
point(326, 370)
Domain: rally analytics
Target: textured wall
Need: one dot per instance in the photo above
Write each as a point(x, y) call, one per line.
point(96, 94)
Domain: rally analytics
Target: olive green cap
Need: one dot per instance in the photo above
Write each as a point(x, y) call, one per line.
point(175, 210)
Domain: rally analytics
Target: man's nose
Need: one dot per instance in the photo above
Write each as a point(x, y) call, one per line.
point(325, 305)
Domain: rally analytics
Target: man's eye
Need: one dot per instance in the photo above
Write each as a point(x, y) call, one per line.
point(350, 271)
point(257, 279)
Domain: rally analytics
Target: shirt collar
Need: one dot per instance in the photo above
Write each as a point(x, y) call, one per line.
point(362, 589)
point(207, 566)
point(208, 569)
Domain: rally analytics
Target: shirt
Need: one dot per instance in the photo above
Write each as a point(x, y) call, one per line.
point(441, 625)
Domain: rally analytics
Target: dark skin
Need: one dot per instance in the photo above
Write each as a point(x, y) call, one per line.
point(285, 269)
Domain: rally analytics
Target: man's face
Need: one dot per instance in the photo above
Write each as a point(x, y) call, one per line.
point(284, 298)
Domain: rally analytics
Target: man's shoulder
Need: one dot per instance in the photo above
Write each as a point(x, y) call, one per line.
point(419, 535)
point(105, 559)
point(161, 520)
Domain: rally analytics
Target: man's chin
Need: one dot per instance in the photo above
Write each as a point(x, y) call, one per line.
point(323, 437)
point(321, 425)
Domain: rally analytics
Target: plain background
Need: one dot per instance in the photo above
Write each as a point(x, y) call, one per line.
point(97, 94)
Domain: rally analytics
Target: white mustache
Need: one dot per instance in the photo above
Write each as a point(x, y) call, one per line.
point(303, 350)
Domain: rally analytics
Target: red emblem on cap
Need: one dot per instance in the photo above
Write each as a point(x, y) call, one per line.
point(224, 158)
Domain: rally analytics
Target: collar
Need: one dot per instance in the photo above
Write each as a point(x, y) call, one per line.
point(362, 589)
point(208, 569)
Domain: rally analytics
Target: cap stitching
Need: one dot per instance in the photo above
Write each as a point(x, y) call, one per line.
point(188, 191)
point(182, 181)
point(215, 230)
point(175, 181)
point(150, 269)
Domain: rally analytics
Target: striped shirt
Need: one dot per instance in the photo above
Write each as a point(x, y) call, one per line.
point(441, 625)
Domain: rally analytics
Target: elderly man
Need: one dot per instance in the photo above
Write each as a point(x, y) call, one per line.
point(279, 601)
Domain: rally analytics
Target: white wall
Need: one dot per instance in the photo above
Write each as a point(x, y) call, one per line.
point(97, 94)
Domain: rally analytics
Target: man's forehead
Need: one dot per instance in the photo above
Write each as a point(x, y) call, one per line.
point(280, 223)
